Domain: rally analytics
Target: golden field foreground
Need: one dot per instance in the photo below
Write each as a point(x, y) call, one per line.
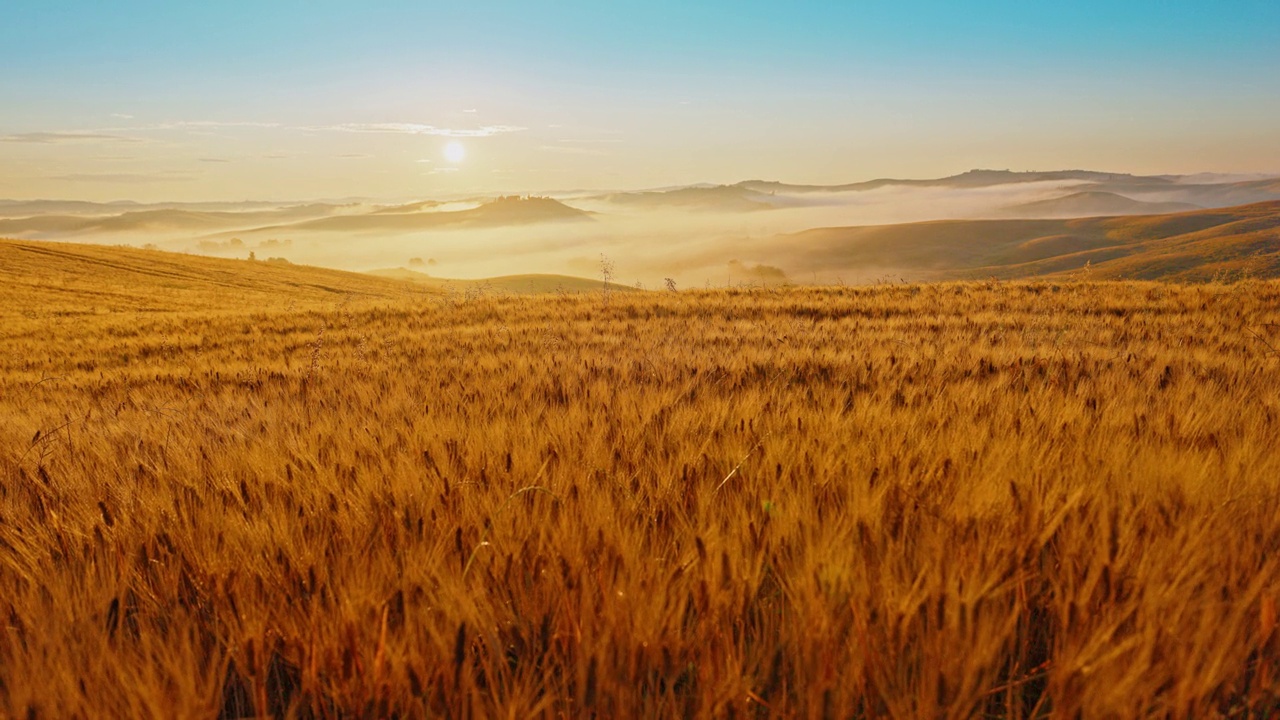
point(345, 497)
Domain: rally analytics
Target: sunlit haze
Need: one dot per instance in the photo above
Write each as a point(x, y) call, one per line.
point(298, 100)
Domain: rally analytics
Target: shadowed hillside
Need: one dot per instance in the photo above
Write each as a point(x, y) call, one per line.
point(1093, 203)
point(1186, 246)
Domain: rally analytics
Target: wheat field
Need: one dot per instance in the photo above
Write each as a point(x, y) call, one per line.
point(961, 500)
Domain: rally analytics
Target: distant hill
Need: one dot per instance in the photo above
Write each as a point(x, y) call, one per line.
point(28, 208)
point(315, 217)
point(1167, 193)
point(503, 211)
point(723, 198)
point(35, 275)
point(1187, 246)
point(408, 208)
point(171, 220)
point(990, 178)
point(970, 179)
point(1220, 194)
point(1092, 203)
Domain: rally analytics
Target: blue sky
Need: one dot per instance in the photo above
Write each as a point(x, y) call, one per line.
point(324, 98)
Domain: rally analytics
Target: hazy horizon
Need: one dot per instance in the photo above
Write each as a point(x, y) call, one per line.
point(293, 101)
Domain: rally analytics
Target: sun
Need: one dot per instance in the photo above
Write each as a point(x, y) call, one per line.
point(454, 152)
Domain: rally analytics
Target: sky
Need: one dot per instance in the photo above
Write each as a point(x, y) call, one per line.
point(310, 99)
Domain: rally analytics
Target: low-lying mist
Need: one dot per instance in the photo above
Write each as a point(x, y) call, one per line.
point(694, 246)
point(696, 236)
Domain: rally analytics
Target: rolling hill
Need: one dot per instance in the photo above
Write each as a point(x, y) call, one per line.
point(36, 275)
point(28, 208)
point(500, 212)
point(1093, 203)
point(169, 220)
point(722, 198)
point(321, 217)
point(1099, 193)
point(1189, 191)
point(1189, 246)
point(969, 179)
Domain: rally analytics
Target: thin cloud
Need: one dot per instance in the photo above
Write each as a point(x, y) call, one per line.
point(192, 126)
point(420, 129)
point(206, 125)
point(56, 138)
point(570, 150)
point(214, 160)
point(125, 178)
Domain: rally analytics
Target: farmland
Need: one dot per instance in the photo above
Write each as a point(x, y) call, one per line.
point(235, 489)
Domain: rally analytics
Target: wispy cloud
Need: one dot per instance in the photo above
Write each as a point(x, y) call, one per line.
point(202, 125)
point(383, 128)
point(420, 129)
point(56, 138)
point(123, 134)
point(129, 178)
point(570, 150)
point(214, 160)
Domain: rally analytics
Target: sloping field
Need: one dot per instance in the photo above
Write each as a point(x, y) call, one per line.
point(45, 279)
point(947, 501)
point(528, 284)
point(1190, 246)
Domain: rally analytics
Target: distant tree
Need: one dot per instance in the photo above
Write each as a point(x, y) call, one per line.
point(252, 255)
point(416, 262)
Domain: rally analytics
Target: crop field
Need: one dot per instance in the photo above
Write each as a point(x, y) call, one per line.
point(962, 500)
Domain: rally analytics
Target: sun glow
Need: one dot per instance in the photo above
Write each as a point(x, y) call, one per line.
point(454, 152)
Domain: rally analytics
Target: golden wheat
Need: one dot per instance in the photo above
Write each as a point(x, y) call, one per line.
point(951, 500)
